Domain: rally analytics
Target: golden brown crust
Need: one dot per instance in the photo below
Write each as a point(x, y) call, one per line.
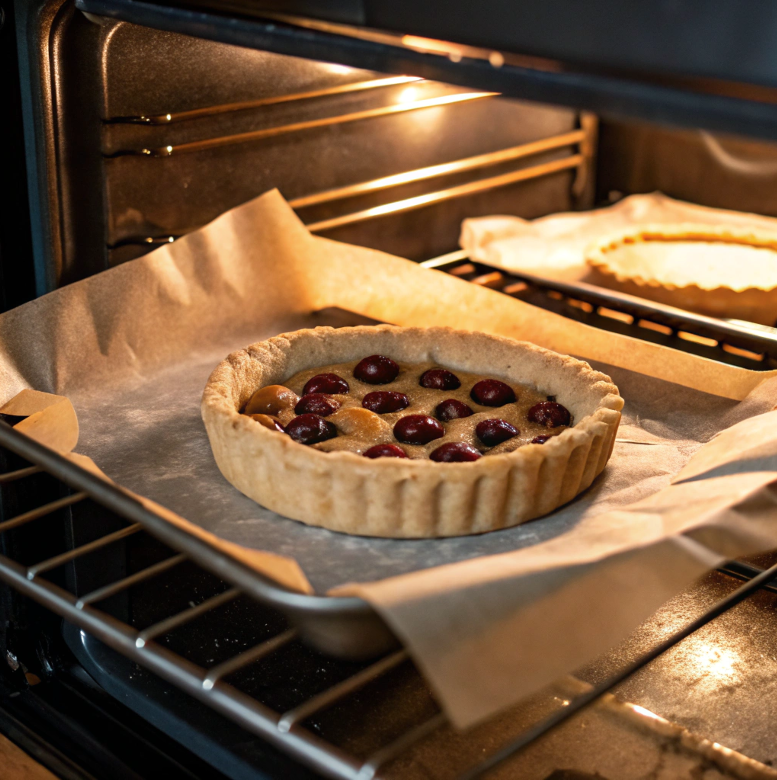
point(392, 497)
point(743, 292)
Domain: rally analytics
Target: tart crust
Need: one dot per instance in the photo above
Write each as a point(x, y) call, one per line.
point(746, 289)
point(395, 497)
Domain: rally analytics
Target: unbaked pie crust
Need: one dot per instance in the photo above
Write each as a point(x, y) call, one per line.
point(721, 272)
point(394, 497)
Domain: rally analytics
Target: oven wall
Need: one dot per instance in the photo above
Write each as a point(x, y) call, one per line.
point(692, 165)
point(106, 90)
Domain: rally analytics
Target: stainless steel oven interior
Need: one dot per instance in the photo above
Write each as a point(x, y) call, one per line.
point(138, 135)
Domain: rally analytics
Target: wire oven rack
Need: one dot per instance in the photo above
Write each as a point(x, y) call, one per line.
point(286, 729)
point(730, 341)
point(283, 729)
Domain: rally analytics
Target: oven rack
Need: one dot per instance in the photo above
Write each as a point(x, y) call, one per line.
point(284, 730)
point(581, 139)
point(729, 341)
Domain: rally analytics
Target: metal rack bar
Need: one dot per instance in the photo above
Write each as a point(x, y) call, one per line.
point(524, 174)
point(341, 690)
point(226, 566)
point(583, 700)
point(381, 757)
point(419, 174)
point(248, 657)
point(296, 127)
point(42, 511)
point(239, 707)
point(128, 582)
point(445, 169)
point(757, 338)
point(103, 541)
point(168, 624)
point(744, 571)
point(12, 476)
point(228, 108)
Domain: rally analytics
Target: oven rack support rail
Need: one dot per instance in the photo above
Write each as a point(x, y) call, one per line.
point(750, 344)
point(284, 730)
point(580, 142)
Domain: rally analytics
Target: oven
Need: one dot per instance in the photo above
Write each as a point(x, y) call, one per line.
point(130, 649)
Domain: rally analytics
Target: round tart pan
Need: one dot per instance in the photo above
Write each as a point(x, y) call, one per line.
point(393, 497)
point(720, 272)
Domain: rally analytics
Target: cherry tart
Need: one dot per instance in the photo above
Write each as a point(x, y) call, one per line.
point(408, 432)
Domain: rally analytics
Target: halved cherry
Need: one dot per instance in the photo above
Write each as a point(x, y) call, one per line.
point(385, 451)
point(455, 452)
point(385, 402)
point(494, 431)
point(310, 429)
point(549, 414)
point(451, 409)
point(492, 392)
point(317, 403)
point(439, 379)
point(331, 384)
point(418, 429)
point(376, 370)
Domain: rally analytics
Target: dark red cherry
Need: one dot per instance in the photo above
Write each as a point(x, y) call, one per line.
point(492, 392)
point(317, 403)
point(439, 379)
point(549, 414)
point(540, 439)
point(452, 410)
point(326, 383)
point(418, 429)
point(385, 401)
point(376, 370)
point(385, 451)
point(455, 452)
point(310, 429)
point(495, 431)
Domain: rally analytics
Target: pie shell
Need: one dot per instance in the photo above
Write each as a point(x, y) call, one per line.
point(743, 301)
point(394, 497)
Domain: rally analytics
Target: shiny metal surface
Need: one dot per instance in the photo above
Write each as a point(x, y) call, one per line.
point(719, 682)
point(93, 73)
point(228, 108)
point(440, 196)
point(660, 646)
point(434, 171)
point(297, 127)
point(577, 162)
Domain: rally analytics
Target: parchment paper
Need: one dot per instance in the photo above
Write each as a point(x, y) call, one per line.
point(132, 348)
point(554, 246)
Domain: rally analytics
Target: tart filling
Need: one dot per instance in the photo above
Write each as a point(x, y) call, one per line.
point(367, 430)
point(422, 407)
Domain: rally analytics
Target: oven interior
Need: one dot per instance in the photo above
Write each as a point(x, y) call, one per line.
point(142, 135)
